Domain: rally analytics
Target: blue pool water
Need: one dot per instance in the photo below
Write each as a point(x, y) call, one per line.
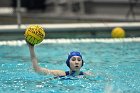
point(116, 68)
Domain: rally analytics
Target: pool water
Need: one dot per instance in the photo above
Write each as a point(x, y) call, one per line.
point(115, 67)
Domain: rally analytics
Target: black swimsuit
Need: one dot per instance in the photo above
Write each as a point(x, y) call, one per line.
point(68, 73)
point(69, 76)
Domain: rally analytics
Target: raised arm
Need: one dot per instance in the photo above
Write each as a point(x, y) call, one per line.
point(34, 60)
point(39, 69)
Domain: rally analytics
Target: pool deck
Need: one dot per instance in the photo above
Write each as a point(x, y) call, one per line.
point(72, 30)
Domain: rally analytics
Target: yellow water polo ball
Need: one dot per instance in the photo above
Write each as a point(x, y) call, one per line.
point(118, 32)
point(34, 34)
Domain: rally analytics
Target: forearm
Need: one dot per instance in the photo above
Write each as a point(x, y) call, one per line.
point(34, 58)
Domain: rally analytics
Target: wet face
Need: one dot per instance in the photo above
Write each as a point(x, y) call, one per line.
point(75, 63)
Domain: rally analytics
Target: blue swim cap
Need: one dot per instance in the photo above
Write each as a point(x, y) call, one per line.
point(71, 54)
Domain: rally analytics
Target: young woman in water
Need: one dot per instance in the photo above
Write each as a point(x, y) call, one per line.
point(74, 62)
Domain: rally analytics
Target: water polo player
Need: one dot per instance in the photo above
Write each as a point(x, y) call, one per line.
point(74, 62)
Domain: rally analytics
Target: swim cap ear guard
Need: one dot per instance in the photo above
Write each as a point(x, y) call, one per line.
point(71, 54)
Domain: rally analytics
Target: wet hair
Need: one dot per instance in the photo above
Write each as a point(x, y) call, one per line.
point(71, 54)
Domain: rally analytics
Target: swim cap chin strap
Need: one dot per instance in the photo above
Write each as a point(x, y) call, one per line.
point(71, 55)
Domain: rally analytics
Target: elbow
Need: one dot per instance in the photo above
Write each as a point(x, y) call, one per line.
point(37, 69)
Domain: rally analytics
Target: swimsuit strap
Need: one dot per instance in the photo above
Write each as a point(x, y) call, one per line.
point(67, 73)
point(81, 73)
